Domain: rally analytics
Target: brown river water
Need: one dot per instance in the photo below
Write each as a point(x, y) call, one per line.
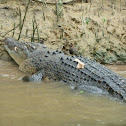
point(51, 103)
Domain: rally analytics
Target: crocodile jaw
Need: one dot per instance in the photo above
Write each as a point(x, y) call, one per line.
point(18, 57)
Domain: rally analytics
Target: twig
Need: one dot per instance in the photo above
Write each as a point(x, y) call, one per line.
point(34, 28)
point(37, 30)
point(26, 33)
point(69, 2)
point(102, 3)
point(26, 10)
point(13, 31)
point(83, 20)
point(120, 6)
point(10, 31)
point(57, 11)
point(20, 18)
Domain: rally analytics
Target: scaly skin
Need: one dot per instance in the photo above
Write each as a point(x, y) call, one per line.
point(42, 62)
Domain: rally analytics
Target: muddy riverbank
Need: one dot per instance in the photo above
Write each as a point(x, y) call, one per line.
point(96, 30)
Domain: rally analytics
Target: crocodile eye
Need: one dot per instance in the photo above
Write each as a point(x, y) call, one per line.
point(33, 47)
point(15, 49)
point(24, 47)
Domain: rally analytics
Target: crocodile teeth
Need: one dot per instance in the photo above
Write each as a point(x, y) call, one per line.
point(15, 48)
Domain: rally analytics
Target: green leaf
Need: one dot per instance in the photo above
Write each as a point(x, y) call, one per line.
point(87, 20)
point(103, 19)
point(60, 2)
point(81, 92)
point(84, 20)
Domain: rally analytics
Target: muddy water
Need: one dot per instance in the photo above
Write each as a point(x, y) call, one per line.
point(53, 103)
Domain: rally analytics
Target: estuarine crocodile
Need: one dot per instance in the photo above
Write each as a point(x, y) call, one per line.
point(40, 62)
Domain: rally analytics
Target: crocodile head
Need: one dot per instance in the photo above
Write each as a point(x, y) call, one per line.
point(20, 51)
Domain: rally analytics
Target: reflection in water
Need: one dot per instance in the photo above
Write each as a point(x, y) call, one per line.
point(53, 103)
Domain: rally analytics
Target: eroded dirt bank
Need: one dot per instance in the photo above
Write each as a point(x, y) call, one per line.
point(95, 30)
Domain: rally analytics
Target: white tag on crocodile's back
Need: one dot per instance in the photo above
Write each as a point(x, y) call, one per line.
point(80, 64)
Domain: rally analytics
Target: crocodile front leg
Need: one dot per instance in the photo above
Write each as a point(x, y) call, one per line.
point(37, 77)
point(29, 67)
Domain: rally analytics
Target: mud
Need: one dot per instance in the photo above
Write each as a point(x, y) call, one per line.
point(95, 30)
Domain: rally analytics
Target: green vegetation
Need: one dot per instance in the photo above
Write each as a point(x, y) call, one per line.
point(86, 23)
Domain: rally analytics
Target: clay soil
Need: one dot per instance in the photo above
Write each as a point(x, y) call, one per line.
point(96, 30)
